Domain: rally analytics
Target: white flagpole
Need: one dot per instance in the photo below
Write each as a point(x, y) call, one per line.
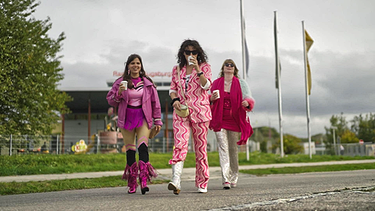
point(307, 88)
point(243, 39)
point(278, 85)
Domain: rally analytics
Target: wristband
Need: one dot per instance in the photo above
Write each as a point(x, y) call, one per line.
point(174, 100)
point(199, 74)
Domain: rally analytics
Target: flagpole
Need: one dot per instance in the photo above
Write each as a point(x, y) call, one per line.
point(278, 84)
point(307, 88)
point(243, 39)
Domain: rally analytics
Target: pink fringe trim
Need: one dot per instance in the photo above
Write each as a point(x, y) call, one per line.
point(130, 171)
point(147, 170)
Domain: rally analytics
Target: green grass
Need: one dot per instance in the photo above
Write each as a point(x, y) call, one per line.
point(60, 185)
point(115, 181)
point(57, 164)
point(304, 169)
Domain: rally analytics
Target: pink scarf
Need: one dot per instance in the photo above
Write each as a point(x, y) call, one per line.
point(239, 114)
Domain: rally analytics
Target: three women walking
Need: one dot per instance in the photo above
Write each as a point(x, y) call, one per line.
point(225, 111)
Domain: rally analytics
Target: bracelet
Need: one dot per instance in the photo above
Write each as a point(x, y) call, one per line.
point(199, 74)
point(174, 100)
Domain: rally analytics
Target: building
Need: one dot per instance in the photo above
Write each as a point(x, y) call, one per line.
point(89, 115)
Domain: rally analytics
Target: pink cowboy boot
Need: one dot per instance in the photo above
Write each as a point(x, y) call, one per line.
point(146, 172)
point(130, 174)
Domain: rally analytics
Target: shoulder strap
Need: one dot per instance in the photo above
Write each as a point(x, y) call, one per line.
point(179, 79)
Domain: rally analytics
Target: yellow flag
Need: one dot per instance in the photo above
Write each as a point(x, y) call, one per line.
point(309, 42)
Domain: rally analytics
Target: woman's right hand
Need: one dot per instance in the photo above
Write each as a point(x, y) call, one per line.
point(214, 96)
point(177, 105)
point(121, 89)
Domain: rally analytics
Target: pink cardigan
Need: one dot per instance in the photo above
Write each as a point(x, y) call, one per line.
point(150, 103)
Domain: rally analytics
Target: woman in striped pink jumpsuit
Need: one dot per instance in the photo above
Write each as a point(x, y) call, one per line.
point(195, 79)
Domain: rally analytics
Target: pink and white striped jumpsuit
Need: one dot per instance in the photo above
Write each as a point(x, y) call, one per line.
point(197, 99)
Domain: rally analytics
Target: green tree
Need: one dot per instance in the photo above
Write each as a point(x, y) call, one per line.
point(263, 135)
point(349, 137)
point(292, 144)
point(268, 132)
point(364, 127)
point(30, 102)
point(341, 125)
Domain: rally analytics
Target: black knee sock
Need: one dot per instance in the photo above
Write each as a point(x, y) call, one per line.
point(143, 152)
point(130, 157)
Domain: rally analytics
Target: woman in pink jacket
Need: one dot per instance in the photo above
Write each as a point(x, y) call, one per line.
point(230, 109)
point(138, 109)
point(193, 82)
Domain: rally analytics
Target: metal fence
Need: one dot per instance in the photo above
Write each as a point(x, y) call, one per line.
point(57, 144)
point(365, 149)
point(353, 149)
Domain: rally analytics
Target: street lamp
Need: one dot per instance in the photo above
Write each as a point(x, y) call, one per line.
point(334, 139)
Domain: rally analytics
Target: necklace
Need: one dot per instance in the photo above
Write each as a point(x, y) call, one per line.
point(227, 83)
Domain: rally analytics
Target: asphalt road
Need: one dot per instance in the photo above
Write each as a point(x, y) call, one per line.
point(346, 190)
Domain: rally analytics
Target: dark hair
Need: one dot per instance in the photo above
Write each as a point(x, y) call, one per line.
point(202, 57)
point(221, 74)
point(126, 75)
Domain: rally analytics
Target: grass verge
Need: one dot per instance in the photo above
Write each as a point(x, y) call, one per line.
point(115, 181)
point(60, 185)
point(58, 164)
point(305, 169)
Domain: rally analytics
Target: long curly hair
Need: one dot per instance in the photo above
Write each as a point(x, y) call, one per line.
point(202, 57)
point(221, 74)
point(126, 75)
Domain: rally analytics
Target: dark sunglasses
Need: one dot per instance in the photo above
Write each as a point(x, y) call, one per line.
point(229, 64)
point(187, 52)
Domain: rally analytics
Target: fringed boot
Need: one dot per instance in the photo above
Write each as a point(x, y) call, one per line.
point(130, 174)
point(146, 172)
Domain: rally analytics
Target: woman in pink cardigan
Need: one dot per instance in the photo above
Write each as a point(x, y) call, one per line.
point(138, 109)
point(230, 119)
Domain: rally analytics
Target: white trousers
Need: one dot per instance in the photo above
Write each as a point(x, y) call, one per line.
point(228, 154)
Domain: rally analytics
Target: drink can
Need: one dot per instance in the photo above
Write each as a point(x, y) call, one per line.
point(125, 83)
point(190, 57)
point(218, 93)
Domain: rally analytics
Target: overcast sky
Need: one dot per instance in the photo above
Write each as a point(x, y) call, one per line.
point(100, 35)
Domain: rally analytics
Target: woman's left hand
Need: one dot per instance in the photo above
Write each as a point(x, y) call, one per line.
point(195, 65)
point(158, 128)
point(245, 103)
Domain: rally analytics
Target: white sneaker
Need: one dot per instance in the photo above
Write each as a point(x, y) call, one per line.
point(202, 190)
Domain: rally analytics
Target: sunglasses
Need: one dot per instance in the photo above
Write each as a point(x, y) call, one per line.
point(229, 64)
point(187, 52)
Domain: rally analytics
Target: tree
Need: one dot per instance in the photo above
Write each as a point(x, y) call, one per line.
point(30, 102)
point(364, 127)
point(292, 144)
point(263, 135)
point(349, 137)
point(341, 124)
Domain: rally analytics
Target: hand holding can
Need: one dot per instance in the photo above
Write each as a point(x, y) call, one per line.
point(217, 92)
point(189, 58)
point(125, 83)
